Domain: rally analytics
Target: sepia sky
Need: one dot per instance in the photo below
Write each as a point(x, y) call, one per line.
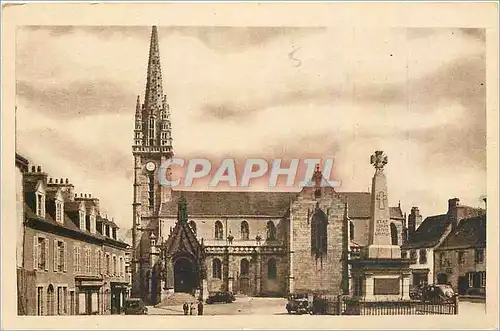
point(416, 94)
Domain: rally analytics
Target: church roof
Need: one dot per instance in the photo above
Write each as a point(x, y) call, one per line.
point(273, 204)
point(225, 203)
point(430, 232)
point(470, 233)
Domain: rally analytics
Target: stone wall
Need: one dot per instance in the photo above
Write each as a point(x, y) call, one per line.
point(310, 273)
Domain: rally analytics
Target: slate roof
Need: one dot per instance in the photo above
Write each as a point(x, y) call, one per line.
point(430, 232)
point(230, 203)
point(67, 224)
point(275, 204)
point(470, 233)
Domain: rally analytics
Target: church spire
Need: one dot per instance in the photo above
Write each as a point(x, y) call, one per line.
point(153, 100)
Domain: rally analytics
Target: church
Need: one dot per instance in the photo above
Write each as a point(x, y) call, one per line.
point(255, 243)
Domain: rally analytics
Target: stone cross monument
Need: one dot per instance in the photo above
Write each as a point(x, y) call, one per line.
point(380, 273)
point(379, 241)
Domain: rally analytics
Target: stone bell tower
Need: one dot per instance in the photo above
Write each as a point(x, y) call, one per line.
point(152, 146)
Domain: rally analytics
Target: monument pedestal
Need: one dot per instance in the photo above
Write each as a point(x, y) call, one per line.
point(381, 279)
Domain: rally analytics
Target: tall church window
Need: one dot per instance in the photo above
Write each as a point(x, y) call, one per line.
point(271, 269)
point(394, 234)
point(151, 191)
point(192, 225)
point(216, 269)
point(151, 131)
point(219, 230)
point(245, 233)
point(271, 231)
point(244, 267)
point(351, 230)
point(319, 235)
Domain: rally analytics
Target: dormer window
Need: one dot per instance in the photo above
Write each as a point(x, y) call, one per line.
point(40, 205)
point(107, 230)
point(81, 215)
point(59, 212)
point(114, 233)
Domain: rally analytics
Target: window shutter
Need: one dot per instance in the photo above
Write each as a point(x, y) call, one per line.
point(35, 253)
point(55, 255)
point(47, 250)
point(65, 256)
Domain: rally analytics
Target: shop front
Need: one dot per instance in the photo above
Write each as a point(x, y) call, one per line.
point(88, 295)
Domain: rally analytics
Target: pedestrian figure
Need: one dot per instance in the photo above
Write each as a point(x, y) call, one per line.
point(185, 307)
point(191, 309)
point(200, 307)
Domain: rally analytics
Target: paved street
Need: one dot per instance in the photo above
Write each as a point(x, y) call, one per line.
point(276, 306)
point(243, 305)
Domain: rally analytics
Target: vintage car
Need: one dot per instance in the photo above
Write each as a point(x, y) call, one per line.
point(298, 304)
point(135, 306)
point(220, 296)
point(437, 293)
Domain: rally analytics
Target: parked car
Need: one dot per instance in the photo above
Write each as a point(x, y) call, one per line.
point(298, 304)
point(438, 293)
point(220, 296)
point(135, 306)
point(416, 292)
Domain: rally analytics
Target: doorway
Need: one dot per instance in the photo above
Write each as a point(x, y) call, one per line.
point(185, 278)
point(442, 279)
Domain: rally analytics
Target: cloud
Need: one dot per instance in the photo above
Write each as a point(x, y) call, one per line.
point(417, 94)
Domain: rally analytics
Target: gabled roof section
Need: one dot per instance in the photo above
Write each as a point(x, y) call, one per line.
point(430, 232)
point(183, 240)
point(470, 233)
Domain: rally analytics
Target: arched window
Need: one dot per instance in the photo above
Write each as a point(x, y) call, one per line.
point(319, 226)
point(216, 269)
point(271, 269)
point(245, 232)
point(192, 225)
point(219, 230)
point(244, 267)
point(394, 234)
point(50, 300)
point(351, 230)
point(271, 231)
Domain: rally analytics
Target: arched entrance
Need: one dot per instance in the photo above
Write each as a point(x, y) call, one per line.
point(185, 275)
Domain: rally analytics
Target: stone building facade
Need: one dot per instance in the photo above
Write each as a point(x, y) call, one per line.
point(424, 241)
point(461, 259)
point(72, 261)
point(258, 243)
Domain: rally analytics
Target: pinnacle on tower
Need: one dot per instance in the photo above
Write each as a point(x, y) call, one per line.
point(138, 105)
point(153, 99)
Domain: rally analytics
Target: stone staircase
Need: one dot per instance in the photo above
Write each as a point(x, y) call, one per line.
point(176, 299)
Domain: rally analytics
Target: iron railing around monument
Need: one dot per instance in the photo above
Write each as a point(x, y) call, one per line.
point(341, 305)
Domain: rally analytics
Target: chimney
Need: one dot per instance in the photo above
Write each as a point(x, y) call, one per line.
point(414, 220)
point(453, 212)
